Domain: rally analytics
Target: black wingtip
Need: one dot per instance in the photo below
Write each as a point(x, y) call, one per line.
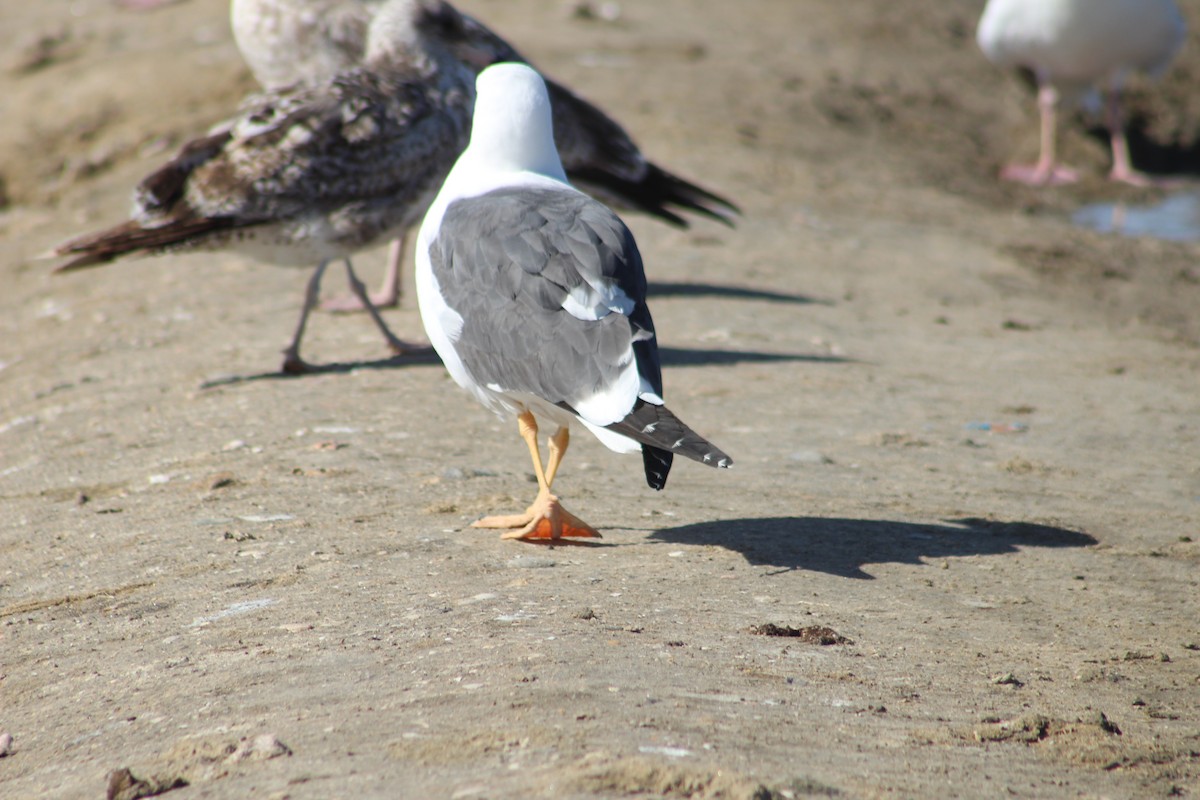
point(661, 194)
point(658, 464)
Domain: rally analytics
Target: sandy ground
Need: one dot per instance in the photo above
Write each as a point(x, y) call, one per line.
point(966, 437)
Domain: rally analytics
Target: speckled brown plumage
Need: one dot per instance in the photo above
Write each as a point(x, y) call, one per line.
point(309, 174)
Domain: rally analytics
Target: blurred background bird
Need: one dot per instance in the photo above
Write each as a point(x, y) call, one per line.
point(307, 41)
point(1074, 48)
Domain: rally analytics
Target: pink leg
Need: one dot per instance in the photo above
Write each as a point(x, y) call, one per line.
point(1122, 165)
point(388, 295)
point(398, 346)
point(1045, 172)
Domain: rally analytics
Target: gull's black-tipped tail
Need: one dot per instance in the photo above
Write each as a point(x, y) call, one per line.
point(662, 435)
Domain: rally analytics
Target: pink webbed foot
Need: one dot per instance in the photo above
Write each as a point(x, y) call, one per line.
point(349, 304)
point(1039, 174)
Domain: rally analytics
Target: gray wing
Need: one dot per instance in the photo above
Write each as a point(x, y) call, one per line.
point(508, 262)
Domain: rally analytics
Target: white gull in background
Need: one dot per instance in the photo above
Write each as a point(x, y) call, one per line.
point(1073, 47)
point(313, 173)
point(305, 41)
point(534, 296)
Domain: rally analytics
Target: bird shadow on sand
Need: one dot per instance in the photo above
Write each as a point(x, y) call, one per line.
point(843, 546)
point(657, 289)
point(334, 368)
point(670, 356)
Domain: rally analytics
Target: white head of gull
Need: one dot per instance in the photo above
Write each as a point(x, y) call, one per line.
point(534, 296)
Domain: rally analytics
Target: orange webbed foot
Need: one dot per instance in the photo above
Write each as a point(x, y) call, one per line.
point(545, 519)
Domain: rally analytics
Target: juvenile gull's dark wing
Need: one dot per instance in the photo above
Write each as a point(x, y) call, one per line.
point(353, 160)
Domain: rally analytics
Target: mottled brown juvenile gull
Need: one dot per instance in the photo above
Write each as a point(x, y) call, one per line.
point(534, 296)
point(289, 41)
point(314, 173)
point(1072, 47)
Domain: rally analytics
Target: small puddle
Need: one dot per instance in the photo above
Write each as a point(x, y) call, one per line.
point(1176, 218)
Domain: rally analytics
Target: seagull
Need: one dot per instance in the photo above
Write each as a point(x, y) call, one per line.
point(306, 41)
point(534, 296)
point(286, 42)
point(1072, 47)
point(313, 173)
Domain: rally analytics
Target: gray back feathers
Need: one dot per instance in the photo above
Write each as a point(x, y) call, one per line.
point(506, 262)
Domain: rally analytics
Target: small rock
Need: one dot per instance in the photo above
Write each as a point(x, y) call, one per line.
point(605, 12)
point(6, 744)
point(1007, 679)
point(260, 748)
point(220, 480)
point(124, 785)
point(585, 613)
point(1104, 723)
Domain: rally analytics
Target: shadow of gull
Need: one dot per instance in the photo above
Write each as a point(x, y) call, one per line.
point(671, 356)
point(843, 546)
point(679, 289)
point(336, 368)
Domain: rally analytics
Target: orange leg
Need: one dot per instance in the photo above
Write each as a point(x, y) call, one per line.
point(545, 518)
